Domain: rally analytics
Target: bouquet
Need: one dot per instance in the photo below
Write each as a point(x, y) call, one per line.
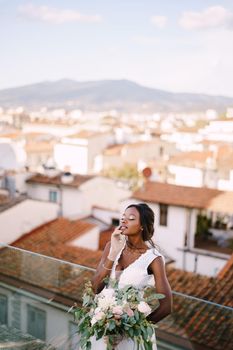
point(115, 314)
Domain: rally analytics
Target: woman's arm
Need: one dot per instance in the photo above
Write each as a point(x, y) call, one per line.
point(162, 286)
point(103, 270)
point(111, 251)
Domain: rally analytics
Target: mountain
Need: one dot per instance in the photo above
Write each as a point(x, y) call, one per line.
point(122, 95)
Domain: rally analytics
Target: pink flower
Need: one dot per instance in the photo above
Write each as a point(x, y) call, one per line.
point(118, 310)
point(144, 308)
point(129, 312)
point(99, 315)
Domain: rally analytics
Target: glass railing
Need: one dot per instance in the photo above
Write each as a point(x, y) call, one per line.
point(37, 292)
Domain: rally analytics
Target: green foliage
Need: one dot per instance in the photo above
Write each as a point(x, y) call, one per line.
point(127, 173)
point(203, 225)
point(230, 243)
point(115, 314)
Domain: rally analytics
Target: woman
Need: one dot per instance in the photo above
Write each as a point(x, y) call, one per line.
point(132, 258)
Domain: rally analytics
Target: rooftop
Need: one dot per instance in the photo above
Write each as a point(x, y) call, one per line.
point(86, 134)
point(52, 239)
point(184, 196)
point(191, 158)
point(222, 156)
point(77, 181)
point(201, 324)
point(117, 149)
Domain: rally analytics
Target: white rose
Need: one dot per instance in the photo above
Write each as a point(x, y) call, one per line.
point(144, 308)
point(93, 320)
point(105, 303)
point(100, 315)
point(107, 292)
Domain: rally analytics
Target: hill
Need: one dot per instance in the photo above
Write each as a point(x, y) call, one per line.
point(122, 95)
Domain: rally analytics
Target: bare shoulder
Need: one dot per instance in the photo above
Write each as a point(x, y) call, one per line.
point(157, 265)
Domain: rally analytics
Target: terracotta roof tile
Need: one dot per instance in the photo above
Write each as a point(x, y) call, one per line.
point(192, 197)
point(49, 275)
point(105, 237)
point(4, 199)
point(193, 158)
point(50, 239)
point(39, 147)
point(222, 203)
point(14, 135)
point(113, 150)
point(196, 321)
point(86, 134)
point(226, 274)
point(56, 180)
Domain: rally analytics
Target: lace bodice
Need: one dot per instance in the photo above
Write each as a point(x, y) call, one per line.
point(136, 273)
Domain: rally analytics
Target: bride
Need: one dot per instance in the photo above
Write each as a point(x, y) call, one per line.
point(131, 258)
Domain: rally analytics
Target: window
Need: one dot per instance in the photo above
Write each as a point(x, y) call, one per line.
point(53, 196)
point(3, 309)
point(163, 208)
point(36, 322)
point(115, 222)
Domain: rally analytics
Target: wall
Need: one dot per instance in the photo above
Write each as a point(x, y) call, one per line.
point(57, 320)
point(20, 183)
point(74, 203)
point(78, 202)
point(96, 145)
point(171, 237)
point(41, 192)
point(104, 192)
point(186, 176)
point(75, 157)
point(24, 217)
point(105, 215)
point(89, 240)
point(204, 264)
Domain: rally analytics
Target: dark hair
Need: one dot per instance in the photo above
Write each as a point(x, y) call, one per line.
point(147, 218)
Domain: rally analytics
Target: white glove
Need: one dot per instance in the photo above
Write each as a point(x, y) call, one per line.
point(117, 243)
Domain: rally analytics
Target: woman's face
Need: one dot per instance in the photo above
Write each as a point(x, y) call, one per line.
point(130, 222)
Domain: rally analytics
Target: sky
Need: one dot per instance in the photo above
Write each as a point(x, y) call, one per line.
point(174, 45)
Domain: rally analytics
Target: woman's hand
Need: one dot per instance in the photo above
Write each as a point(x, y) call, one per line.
point(117, 243)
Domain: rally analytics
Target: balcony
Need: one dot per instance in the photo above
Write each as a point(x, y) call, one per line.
point(37, 292)
point(214, 234)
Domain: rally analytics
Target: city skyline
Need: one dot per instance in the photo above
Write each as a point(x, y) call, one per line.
point(176, 46)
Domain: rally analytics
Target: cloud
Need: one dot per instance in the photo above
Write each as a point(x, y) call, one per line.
point(212, 17)
point(146, 40)
point(159, 21)
point(55, 15)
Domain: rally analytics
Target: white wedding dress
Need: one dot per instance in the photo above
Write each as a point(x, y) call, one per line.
point(135, 274)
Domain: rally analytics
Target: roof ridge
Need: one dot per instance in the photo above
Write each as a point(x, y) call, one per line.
point(226, 268)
